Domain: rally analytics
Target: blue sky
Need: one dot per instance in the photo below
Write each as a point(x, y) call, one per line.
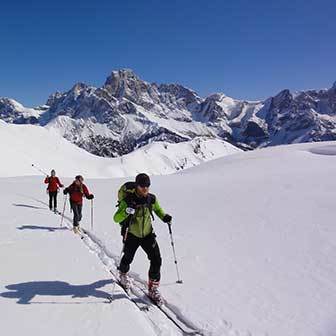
point(246, 49)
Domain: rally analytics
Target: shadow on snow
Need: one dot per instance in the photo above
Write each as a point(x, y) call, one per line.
point(27, 206)
point(36, 227)
point(26, 291)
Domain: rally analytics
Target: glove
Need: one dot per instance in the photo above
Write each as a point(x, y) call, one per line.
point(167, 218)
point(65, 191)
point(90, 197)
point(130, 211)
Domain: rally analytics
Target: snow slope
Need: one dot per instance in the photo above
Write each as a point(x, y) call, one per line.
point(24, 145)
point(50, 283)
point(254, 235)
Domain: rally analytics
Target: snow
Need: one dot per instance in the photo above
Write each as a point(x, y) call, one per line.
point(46, 148)
point(254, 235)
point(50, 283)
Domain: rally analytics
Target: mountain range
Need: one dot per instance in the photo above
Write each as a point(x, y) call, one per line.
point(127, 113)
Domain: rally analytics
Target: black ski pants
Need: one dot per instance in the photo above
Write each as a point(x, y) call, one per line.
point(151, 248)
point(52, 199)
point(77, 213)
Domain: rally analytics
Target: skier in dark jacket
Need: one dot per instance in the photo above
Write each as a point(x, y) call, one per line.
point(53, 186)
point(76, 191)
point(134, 214)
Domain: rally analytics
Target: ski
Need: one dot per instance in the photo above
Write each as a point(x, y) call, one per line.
point(180, 323)
point(143, 306)
point(139, 296)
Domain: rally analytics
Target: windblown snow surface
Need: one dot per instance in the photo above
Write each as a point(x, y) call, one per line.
point(254, 235)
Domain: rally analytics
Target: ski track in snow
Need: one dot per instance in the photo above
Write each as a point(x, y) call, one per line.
point(272, 235)
point(110, 262)
point(157, 319)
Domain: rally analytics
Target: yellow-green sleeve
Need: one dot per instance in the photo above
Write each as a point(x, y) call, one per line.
point(158, 210)
point(121, 214)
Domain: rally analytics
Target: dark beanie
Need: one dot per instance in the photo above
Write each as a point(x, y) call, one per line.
point(142, 180)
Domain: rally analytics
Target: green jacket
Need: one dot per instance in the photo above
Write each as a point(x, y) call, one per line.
point(141, 222)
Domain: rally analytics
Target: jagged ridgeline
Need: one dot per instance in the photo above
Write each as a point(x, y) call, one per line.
point(127, 113)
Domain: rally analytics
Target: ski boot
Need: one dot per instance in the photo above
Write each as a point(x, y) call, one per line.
point(76, 229)
point(153, 292)
point(124, 281)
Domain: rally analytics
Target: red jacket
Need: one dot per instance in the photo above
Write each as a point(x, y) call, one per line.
point(77, 192)
point(53, 183)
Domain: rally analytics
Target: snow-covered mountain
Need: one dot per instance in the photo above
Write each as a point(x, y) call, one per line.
point(13, 112)
point(127, 113)
point(47, 149)
point(124, 114)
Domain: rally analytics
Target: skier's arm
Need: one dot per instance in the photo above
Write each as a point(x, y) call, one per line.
point(59, 183)
point(121, 214)
point(86, 192)
point(158, 210)
point(46, 180)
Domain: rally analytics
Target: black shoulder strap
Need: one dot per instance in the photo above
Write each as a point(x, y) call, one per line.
point(150, 201)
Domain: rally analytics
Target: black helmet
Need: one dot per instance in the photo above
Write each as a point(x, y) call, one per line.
point(142, 180)
point(79, 178)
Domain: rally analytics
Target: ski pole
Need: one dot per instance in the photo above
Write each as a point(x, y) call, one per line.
point(179, 280)
point(92, 214)
point(65, 200)
point(40, 170)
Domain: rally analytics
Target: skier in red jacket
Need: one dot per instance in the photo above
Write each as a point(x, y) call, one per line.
point(76, 191)
point(53, 186)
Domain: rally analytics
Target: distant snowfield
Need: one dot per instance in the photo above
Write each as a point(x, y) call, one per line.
point(324, 150)
point(24, 145)
point(255, 240)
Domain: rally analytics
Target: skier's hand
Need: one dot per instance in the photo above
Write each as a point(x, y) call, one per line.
point(130, 211)
point(167, 218)
point(65, 191)
point(90, 197)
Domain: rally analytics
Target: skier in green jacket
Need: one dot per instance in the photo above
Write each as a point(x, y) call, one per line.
point(135, 214)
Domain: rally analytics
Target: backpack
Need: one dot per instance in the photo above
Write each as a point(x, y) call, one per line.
point(127, 192)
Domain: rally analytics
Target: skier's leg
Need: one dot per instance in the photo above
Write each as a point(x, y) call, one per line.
point(151, 247)
point(75, 214)
point(131, 245)
point(50, 200)
point(79, 207)
point(55, 200)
